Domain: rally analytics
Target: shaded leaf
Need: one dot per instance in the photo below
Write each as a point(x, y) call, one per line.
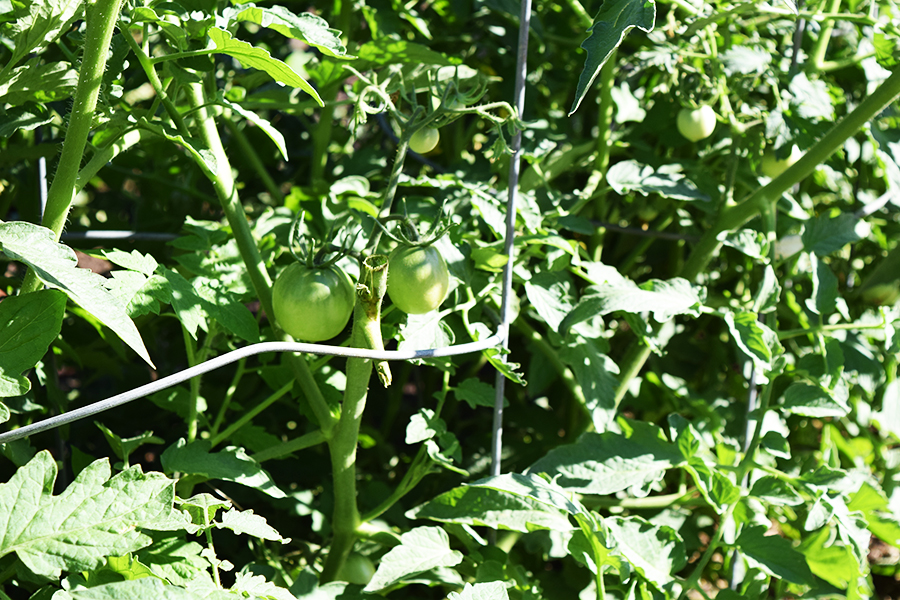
point(774, 555)
point(421, 549)
point(28, 325)
point(631, 176)
point(614, 19)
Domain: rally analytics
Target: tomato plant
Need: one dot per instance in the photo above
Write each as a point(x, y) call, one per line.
point(699, 364)
point(418, 279)
point(696, 124)
point(313, 304)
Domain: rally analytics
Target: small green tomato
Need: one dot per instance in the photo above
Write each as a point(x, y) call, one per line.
point(418, 279)
point(772, 167)
point(313, 304)
point(357, 569)
point(424, 140)
point(696, 124)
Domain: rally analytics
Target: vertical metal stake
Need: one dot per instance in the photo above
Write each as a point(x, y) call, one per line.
point(509, 248)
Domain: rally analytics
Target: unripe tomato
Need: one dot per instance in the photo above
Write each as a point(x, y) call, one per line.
point(418, 279)
point(696, 124)
point(313, 304)
point(772, 167)
point(424, 140)
point(357, 569)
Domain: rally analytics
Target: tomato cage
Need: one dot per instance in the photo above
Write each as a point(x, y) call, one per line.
point(499, 339)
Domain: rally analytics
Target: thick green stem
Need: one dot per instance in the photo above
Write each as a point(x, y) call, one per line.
point(344, 439)
point(195, 386)
point(101, 18)
point(223, 183)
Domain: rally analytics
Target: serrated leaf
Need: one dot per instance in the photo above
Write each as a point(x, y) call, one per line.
point(631, 176)
point(304, 26)
point(421, 549)
point(57, 266)
point(45, 21)
point(814, 401)
point(606, 463)
point(657, 552)
point(247, 523)
point(664, 299)
point(490, 590)
point(550, 294)
point(746, 60)
point(95, 517)
point(231, 464)
point(811, 98)
point(825, 289)
point(754, 338)
point(483, 504)
point(774, 555)
point(826, 234)
point(596, 374)
point(257, 58)
point(475, 393)
point(614, 19)
point(134, 261)
point(39, 83)
point(26, 117)
point(28, 325)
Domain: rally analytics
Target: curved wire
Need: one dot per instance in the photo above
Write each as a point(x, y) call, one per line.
point(234, 356)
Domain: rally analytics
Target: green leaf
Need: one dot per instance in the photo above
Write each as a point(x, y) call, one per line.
point(231, 464)
point(887, 419)
point(304, 26)
point(392, 50)
point(826, 234)
point(244, 522)
point(774, 555)
point(766, 298)
point(550, 294)
point(95, 517)
point(596, 374)
point(715, 486)
point(56, 265)
point(812, 400)
point(514, 502)
point(39, 83)
point(655, 551)
point(664, 299)
point(45, 21)
point(746, 60)
point(263, 124)
point(631, 176)
point(476, 393)
point(28, 325)
point(25, 117)
point(614, 19)
point(754, 338)
point(811, 98)
point(134, 260)
point(421, 549)
point(257, 58)
point(123, 447)
point(491, 590)
point(204, 158)
point(606, 463)
point(752, 243)
point(825, 289)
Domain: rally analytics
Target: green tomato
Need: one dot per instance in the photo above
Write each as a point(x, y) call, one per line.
point(357, 569)
point(772, 167)
point(418, 279)
point(696, 124)
point(424, 140)
point(313, 304)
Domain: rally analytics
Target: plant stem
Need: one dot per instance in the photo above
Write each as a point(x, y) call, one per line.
point(229, 394)
point(817, 56)
point(255, 162)
point(191, 420)
point(248, 416)
point(101, 17)
point(223, 183)
point(156, 83)
point(345, 437)
point(313, 438)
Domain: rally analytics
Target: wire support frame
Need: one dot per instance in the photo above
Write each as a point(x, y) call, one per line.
point(498, 339)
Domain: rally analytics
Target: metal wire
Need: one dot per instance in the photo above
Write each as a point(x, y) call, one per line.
point(234, 356)
point(509, 248)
